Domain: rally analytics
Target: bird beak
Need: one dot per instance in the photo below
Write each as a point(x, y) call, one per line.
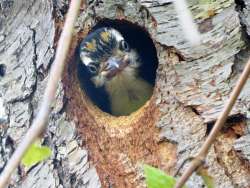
point(112, 66)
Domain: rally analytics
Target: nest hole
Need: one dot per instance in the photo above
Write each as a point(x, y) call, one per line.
point(139, 39)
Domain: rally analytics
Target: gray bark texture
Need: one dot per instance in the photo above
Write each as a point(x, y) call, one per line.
point(192, 86)
point(27, 50)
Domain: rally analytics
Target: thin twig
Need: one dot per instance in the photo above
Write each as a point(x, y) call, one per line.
point(189, 27)
point(40, 122)
point(182, 164)
point(197, 161)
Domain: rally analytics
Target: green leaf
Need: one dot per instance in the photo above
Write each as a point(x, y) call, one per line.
point(208, 180)
point(35, 154)
point(156, 178)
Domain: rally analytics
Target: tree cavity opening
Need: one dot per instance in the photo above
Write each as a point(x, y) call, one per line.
point(139, 39)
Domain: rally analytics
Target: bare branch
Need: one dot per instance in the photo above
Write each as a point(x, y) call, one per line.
point(189, 27)
point(197, 161)
point(40, 122)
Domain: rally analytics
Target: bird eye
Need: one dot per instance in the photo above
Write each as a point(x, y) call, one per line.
point(124, 46)
point(92, 68)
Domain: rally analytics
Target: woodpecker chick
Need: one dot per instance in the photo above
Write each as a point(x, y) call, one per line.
point(113, 65)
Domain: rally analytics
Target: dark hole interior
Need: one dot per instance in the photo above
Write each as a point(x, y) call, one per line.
point(2, 70)
point(139, 39)
point(229, 122)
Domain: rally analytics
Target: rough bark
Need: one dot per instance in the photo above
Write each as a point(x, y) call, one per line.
point(27, 50)
point(191, 87)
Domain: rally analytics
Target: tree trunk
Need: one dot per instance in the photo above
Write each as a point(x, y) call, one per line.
point(94, 149)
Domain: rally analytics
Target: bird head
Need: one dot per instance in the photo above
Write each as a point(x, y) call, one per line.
point(106, 53)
